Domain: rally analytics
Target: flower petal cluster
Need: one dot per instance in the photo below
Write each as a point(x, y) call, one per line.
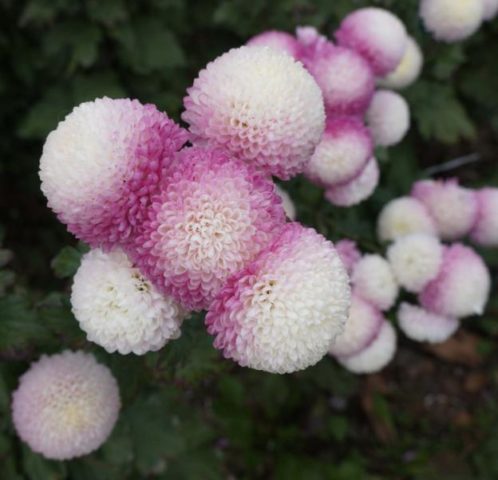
point(485, 230)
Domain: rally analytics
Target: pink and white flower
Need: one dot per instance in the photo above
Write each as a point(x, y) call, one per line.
point(485, 229)
point(349, 253)
point(277, 40)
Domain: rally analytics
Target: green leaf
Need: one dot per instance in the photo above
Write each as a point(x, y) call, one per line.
point(38, 468)
point(67, 261)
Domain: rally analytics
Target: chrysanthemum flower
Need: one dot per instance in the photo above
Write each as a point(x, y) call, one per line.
point(282, 312)
point(362, 327)
point(66, 405)
point(102, 164)
point(280, 41)
point(388, 118)
point(451, 21)
point(349, 253)
point(415, 260)
point(374, 280)
point(343, 152)
point(485, 230)
point(453, 208)
point(287, 203)
point(357, 189)
point(408, 69)
point(119, 309)
point(376, 356)
point(462, 286)
point(345, 77)
point(424, 326)
point(210, 220)
point(376, 34)
point(490, 9)
point(403, 216)
point(261, 105)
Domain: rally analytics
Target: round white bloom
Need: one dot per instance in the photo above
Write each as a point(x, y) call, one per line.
point(415, 260)
point(450, 20)
point(408, 69)
point(388, 118)
point(362, 327)
point(374, 281)
point(403, 216)
point(119, 309)
point(490, 9)
point(66, 405)
point(424, 326)
point(288, 204)
point(259, 104)
point(376, 356)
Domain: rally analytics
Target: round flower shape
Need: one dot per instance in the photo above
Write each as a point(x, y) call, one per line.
point(376, 356)
point(415, 260)
point(349, 253)
point(345, 77)
point(408, 69)
point(119, 309)
point(388, 118)
point(282, 312)
point(376, 34)
point(287, 203)
point(374, 280)
point(343, 152)
point(210, 220)
point(102, 164)
point(66, 405)
point(403, 216)
point(485, 230)
point(490, 9)
point(280, 41)
point(462, 286)
point(356, 190)
point(453, 208)
point(361, 329)
point(261, 105)
point(424, 326)
point(451, 21)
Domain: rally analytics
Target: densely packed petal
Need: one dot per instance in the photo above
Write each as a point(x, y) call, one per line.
point(119, 309)
point(213, 217)
point(261, 105)
point(66, 405)
point(485, 230)
point(103, 163)
point(283, 311)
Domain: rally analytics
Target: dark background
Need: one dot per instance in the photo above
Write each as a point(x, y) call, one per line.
point(186, 412)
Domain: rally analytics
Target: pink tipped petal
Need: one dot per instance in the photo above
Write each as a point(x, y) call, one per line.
point(280, 41)
point(485, 230)
point(349, 253)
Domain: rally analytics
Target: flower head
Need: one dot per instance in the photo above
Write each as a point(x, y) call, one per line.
point(408, 69)
point(374, 280)
point(490, 9)
point(403, 216)
point(280, 41)
point(259, 104)
point(356, 190)
point(388, 117)
point(451, 21)
point(343, 152)
point(349, 253)
point(210, 220)
point(102, 164)
point(424, 326)
point(485, 230)
point(376, 356)
point(462, 286)
point(453, 208)
point(287, 203)
point(119, 309)
point(362, 327)
point(66, 405)
point(415, 260)
point(282, 312)
point(376, 34)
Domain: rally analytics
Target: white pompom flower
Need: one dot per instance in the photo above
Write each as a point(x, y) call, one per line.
point(374, 281)
point(423, 326)
point(66, 405)
point(451, 21)
point(376, 356)
point(119, 309)
point(415, 260)
point(388, 118)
